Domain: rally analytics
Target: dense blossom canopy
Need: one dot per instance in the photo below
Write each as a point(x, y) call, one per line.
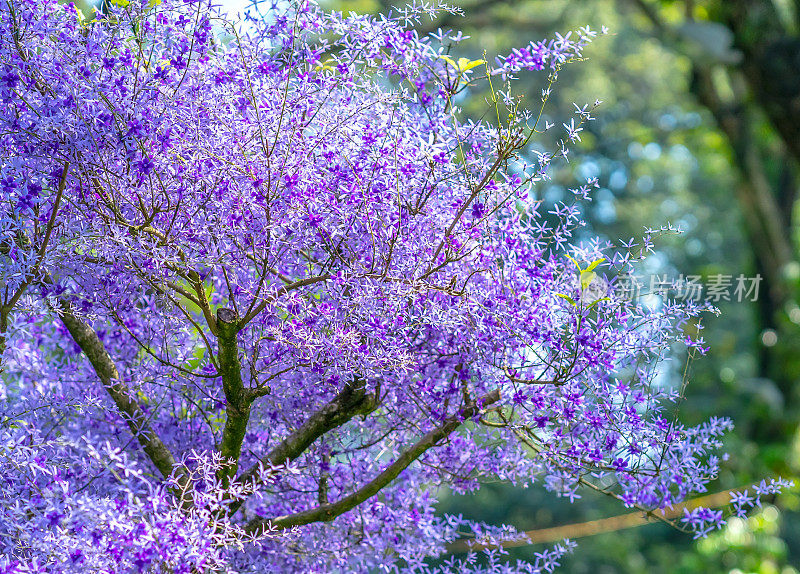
point(264, 295)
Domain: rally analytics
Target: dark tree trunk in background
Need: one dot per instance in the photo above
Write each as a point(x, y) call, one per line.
point(770, 62)
point(756, 82)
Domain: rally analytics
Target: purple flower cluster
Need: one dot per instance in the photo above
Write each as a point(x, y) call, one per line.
point(744, 501)
point(264, 294)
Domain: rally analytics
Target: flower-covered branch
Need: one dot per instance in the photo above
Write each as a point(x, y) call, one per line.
point(97, 355)
point(329, 511)
point(265, 292)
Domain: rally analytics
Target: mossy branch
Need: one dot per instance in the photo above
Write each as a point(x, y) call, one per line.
point(327, 512)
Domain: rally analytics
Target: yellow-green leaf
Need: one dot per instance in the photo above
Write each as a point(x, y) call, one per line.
point(449, 60)
point(326, 65)
point(578, 265)
point(595, 302)
point(594, 264)
point(463, 64)
point(568, 298)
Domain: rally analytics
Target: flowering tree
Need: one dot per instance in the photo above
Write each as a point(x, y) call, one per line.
point(264, 294)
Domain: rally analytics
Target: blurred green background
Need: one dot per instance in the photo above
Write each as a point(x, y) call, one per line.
point(699, 126)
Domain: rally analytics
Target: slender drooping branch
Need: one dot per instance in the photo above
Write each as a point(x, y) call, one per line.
point(352, 401)
point(237, 396)
point(106, 370)
point(327, 512)
point(601, 526)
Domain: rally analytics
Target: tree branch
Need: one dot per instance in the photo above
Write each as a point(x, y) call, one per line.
point(352, 401)
point(593, 527)
point(252, 312)
point(327, 512)
point(7, 306)
point(105, 368)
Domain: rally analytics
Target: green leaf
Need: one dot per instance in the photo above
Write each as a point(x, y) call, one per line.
point(594, 264)
point(449, 60)
point(568, 298)
point(578, 265)
point(586, 275)
point(586, 278)
point(596, 301)
point(463, 64)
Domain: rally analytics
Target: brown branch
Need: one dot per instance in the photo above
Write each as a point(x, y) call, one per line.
point(94, 350)
point(519, 381)
point(9, 305)
point(593, 527)
point(327, 512)
point(502, 155)
point(62, 184)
